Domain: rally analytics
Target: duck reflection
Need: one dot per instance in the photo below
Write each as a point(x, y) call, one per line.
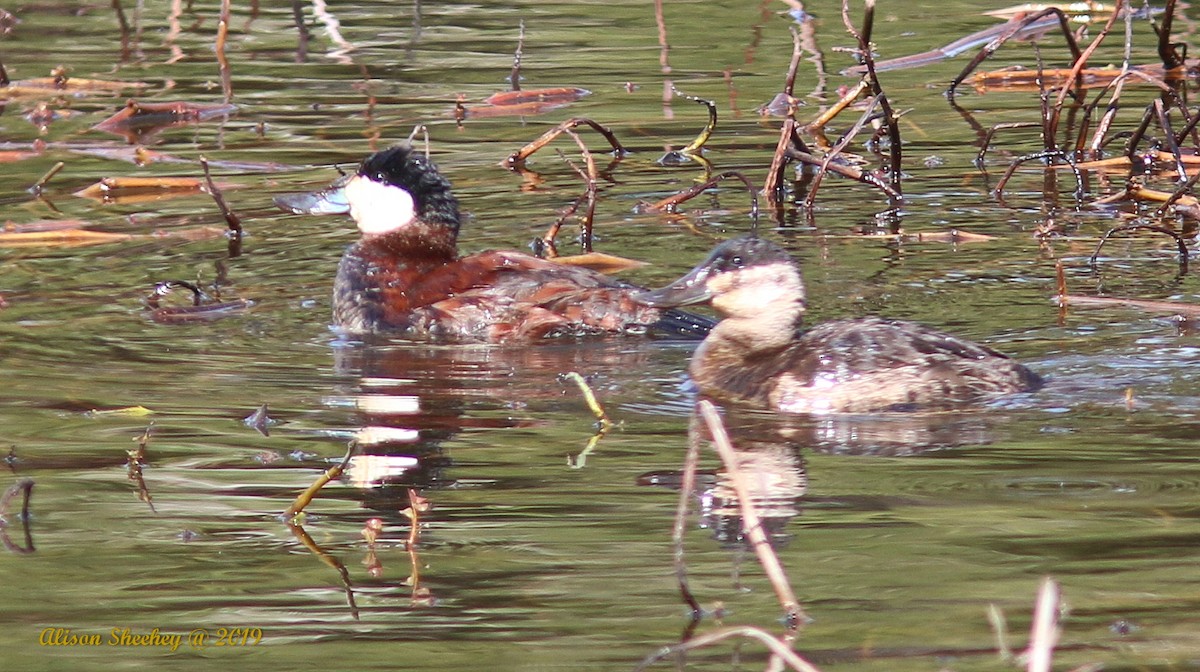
point(411, 398)
point(769, 456)
point(769, 462)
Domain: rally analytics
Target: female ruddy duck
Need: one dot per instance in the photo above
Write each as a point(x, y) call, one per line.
point(757, 353)
point(404, 276)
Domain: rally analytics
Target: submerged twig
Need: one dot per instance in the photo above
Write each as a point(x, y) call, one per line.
point(751, 522)
point(687, 485)
point(137, 459)
point(324, 556)
point(779, 649)
point(1044, 632)
point(1180, 243)
point(25, 487)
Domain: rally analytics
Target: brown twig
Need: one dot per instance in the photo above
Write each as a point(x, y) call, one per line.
point(306, 497)
point(830, 155)
point(889, 116)
point(137, 458)
point(1015, 28)
point(691, 192)
point(1081, 59)
point(1053, 154)
point(231, 220)
point(850, 172)
point(518, 158)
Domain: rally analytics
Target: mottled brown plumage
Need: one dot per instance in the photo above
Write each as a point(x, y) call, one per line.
point(759, 354)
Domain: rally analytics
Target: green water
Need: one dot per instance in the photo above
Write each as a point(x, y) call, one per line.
point(905, 533)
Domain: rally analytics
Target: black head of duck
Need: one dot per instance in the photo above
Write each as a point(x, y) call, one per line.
point(404, 276)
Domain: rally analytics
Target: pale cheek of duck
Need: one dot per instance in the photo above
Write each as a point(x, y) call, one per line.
point(378, 208)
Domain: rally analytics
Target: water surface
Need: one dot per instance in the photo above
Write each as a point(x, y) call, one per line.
point(897, 534)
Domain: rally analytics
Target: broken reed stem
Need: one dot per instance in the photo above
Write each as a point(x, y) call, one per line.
point(1060, 279)
point(702, 137)
point(998, 192)
point(590, 397)
point(517, 159)
point(789, 82)
point(991, 135)
point(590, 179)
point(837, 149)
point(1044, 632)
point(1164, 123)
point(514, 79)
point(306, 497)
point(779, 649)
point(845, 101)
point(773, 188)
point(134, 467)
point(751, 523)
point(1000, 628)
point(222, 61)
point(38, 186)
point(415, 505)
point(1167, 52)
point(232, 220)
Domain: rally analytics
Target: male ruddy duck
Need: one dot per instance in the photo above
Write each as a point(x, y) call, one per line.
point(404, 276)
point(757, 353)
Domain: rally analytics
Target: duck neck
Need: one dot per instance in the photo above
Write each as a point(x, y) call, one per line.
point(417, 241)
point(744, 335)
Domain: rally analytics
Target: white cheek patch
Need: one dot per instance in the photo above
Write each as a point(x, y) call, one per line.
point(378, 208)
